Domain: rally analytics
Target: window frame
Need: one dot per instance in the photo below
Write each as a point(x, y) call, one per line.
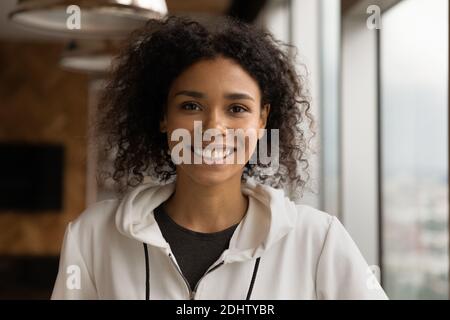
point(356, 9)
point(353, 24)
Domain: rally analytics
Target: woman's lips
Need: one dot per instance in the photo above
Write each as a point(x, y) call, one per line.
point(213, 153)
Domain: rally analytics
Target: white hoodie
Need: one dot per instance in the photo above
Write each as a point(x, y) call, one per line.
point(303, 253)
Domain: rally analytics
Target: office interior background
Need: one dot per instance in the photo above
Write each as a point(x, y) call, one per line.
point(378, 78)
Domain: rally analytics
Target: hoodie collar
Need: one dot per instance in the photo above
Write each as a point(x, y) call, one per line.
point(270, 216)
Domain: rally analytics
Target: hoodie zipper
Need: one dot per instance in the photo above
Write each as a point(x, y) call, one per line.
point(188, 286)
point(208, 271)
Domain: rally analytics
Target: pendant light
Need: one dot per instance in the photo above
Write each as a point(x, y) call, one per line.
point(95, 19)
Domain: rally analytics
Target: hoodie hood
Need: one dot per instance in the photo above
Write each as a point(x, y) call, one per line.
point(270, 217)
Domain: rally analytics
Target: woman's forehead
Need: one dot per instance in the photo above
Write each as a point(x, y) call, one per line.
point(212, 77)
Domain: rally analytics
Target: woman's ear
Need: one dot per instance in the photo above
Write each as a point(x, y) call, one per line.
point(265, 110)
point(264, 115)
point(163, 125)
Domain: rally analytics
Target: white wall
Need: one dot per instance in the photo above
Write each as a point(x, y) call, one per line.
point(359, 135)
point(305, 36)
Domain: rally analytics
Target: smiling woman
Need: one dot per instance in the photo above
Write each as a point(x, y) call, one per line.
point(148, 81)
point(215, 105)
point(219, 230)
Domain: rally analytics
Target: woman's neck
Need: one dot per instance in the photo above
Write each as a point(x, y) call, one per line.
point(206, 208)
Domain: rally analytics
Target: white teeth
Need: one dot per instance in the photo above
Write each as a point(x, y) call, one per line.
point(215, 154)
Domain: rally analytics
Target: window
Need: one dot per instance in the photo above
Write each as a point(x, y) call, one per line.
point(414, 149)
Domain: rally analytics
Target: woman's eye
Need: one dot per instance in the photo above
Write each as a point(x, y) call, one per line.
point(237, 109)
point(190, 106)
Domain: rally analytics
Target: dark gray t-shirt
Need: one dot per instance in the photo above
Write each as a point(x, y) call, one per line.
point(195, 251)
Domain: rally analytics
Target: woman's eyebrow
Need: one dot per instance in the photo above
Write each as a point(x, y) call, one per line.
point(194, 94)
point(238, 96)
point(231, 95)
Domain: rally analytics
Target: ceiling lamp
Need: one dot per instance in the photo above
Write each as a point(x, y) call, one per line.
point(74, 19)
point(93, 58)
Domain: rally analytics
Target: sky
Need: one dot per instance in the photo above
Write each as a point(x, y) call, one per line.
point(414, 71)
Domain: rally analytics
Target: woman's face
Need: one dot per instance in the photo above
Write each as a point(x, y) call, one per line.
point(219, 96)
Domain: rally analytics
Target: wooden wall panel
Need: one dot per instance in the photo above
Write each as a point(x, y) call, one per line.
point(39, 102)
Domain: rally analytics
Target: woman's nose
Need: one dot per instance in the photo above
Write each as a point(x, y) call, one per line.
point(214, 120)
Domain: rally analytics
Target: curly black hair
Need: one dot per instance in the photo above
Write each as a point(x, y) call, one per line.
point(134, 99)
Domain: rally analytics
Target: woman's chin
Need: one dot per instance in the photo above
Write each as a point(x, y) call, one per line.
point(211, 175)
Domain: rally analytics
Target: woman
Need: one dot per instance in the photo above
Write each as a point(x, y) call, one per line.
point(211, 224)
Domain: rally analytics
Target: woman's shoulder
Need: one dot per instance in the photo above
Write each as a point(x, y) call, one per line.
point(313, 222)
point(312, 215)
point(96, 217)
